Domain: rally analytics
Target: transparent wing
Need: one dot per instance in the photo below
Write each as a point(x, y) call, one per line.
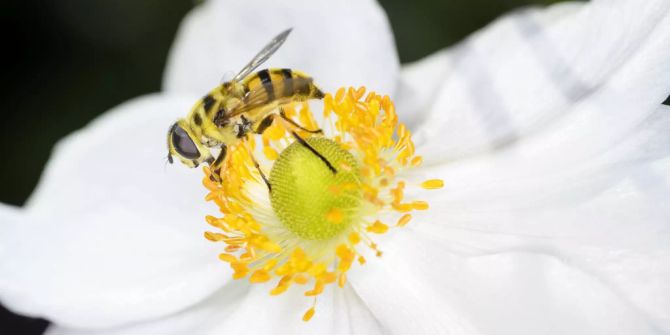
point(259, 97)
point(228, 76)
point(263, 55)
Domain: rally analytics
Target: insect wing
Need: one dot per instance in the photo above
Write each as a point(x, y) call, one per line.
point(263, 55)
point(259, 96)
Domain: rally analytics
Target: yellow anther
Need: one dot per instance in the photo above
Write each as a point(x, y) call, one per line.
point(377, 227)
point(343, 252)
point(404, 220)
point(328, 277)
point(329, 223)
point(327, 105)
point(432, 184)
point(340, 94)
point(241, 270)
point(308, 315)
point(228, 258)
point(358, 94)
point(279, 289)
point(259, 276)
point(289, 110)
point(317, 269)
point(214, 237)
point(248, 256)
point(383, 182)
point(402, 208)
point(212, 221)
point(341, 279)
point(251, 141)
point(301, 279)
point(269, 265)
point(354, 238)
point(232, 248)
point(402, 131)
point(275, 132)
point(397, 192)
point(270, 246)
point(211, 196)
point(386, 102)
point(306, 117)
point(346, 257)
point(420, 205)
point(270, 153)
point(318, 289)
point(282, 286)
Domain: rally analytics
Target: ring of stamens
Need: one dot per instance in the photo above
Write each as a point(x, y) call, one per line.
point(315, 224)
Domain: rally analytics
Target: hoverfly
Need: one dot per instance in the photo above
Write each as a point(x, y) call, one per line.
point(248, 103)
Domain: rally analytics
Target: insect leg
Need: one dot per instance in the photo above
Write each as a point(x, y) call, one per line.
point(264, 124)
point(265, 179)
point(304, 143)
point(215, 166)
point(294, 124)
point(267, 121)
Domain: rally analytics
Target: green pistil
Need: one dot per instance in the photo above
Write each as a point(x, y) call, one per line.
point(309, 199)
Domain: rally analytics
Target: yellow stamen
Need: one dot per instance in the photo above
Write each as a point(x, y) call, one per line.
point(404, 220)
point(308, 315)
point(354, 238)
point(270, 153)
point(342, 279)
point(227, 258)
point(377, 227)
point(420, 205)
point(432, 184)
point(259, 276)
point(317, 221)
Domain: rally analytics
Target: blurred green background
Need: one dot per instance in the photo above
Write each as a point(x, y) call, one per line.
point(71, 60)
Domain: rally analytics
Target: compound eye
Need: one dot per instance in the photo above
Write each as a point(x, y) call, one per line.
point(183, 144)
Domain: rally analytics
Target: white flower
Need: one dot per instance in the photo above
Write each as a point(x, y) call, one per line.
point(546, 127)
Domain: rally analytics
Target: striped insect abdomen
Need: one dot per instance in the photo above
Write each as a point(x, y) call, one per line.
point(283, 86)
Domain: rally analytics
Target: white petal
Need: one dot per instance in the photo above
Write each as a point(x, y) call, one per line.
point(618, 234)
point(419, 287)
point(239, 309)
point(524, 178)
point(112, 234)
point(604, 216)
point(531, 72)
point(341, 43)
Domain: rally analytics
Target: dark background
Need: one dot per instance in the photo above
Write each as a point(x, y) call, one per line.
point(68, 61)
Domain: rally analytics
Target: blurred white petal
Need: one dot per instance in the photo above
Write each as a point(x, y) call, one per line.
point(111, 235)
point(603, 217)
point(422, 288)
point(242, 309)
point(339, 43)
point(575, 172)
point(574, 65)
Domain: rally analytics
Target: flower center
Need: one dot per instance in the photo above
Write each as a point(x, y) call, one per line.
point(314, 225)
point(303, 195)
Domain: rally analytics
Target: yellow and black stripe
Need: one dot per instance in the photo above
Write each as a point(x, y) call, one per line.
point(279, 85)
